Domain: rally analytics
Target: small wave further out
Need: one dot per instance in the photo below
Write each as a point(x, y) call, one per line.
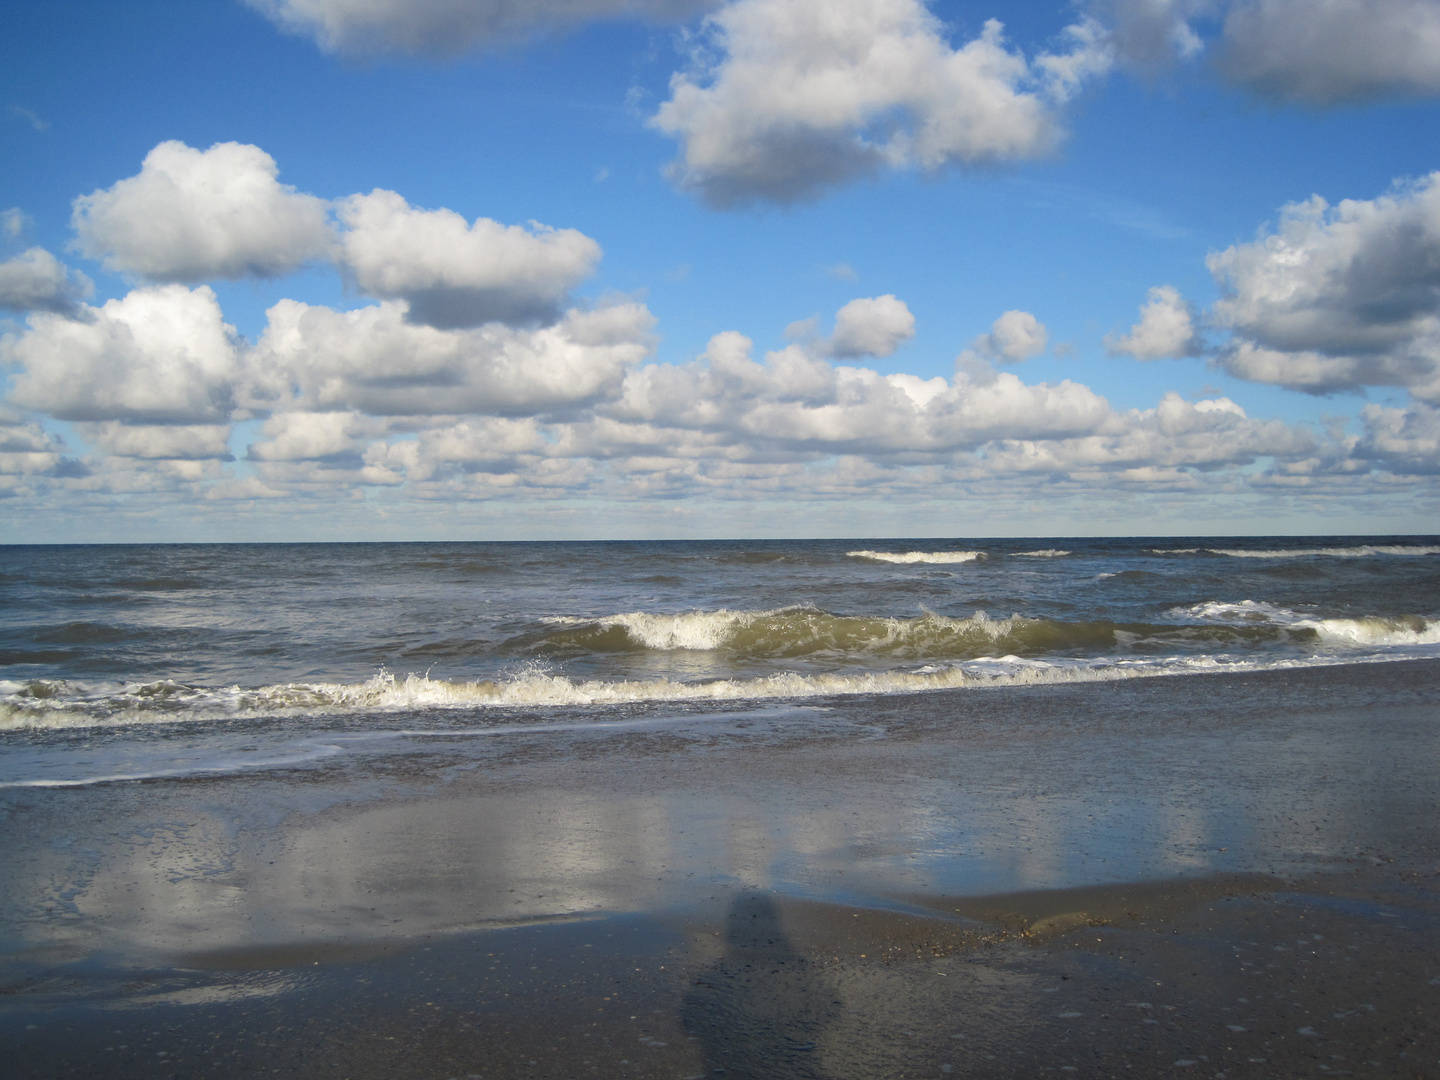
point(1360, 551)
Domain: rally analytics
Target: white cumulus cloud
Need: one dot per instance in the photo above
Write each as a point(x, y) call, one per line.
point(375, 360)
point(186, 442)
point(35, 280)
point(796, 402)
point(790, 97)
point(871, 326)
point(1166, 329)
point(456, 274)
point(196, 215)
point(1403, 440)
point(159, 355)
point(315, 436)
point(1015, 336)
point(1338, 298)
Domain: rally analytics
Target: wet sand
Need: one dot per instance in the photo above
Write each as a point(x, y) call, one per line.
point(1229, 875)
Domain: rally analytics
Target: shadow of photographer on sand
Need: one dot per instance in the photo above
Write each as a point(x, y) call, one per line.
point(759, 1011)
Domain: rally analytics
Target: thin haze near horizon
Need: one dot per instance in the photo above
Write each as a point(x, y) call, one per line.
point(479, 269)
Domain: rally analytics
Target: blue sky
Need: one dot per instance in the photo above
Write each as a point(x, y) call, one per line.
point(363, 269)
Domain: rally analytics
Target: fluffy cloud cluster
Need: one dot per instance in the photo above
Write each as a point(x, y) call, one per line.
point(473, 320)
point(792, 422)
point(1339, 298)
point(370, 398)
point(790, 97)
point(1317, 52)
point(192, 216)
point(474, 376)
point(445, 27)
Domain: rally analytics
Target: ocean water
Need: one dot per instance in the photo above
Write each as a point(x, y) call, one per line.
point(132, 662)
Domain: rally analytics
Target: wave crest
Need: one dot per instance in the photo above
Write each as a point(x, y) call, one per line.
point(787, 633)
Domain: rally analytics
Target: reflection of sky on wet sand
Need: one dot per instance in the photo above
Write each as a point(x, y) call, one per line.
point(175, 868)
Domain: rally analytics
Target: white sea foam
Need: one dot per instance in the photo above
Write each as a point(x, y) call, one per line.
point(384, 693)
point(1043, 553)
point(1241, 611)
point(906, 557)
point(1373, 630)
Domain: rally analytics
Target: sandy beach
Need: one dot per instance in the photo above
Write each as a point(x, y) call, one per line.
point(968, 884)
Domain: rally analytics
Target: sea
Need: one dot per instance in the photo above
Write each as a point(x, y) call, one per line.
point(122, 662)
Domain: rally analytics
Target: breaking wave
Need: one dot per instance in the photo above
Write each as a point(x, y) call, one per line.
point(1373, 630)
point(806, 632)
point(788, 633)
point(907, 557)
point(385, 693)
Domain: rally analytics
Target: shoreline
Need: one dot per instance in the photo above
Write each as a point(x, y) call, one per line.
point(830, 890)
